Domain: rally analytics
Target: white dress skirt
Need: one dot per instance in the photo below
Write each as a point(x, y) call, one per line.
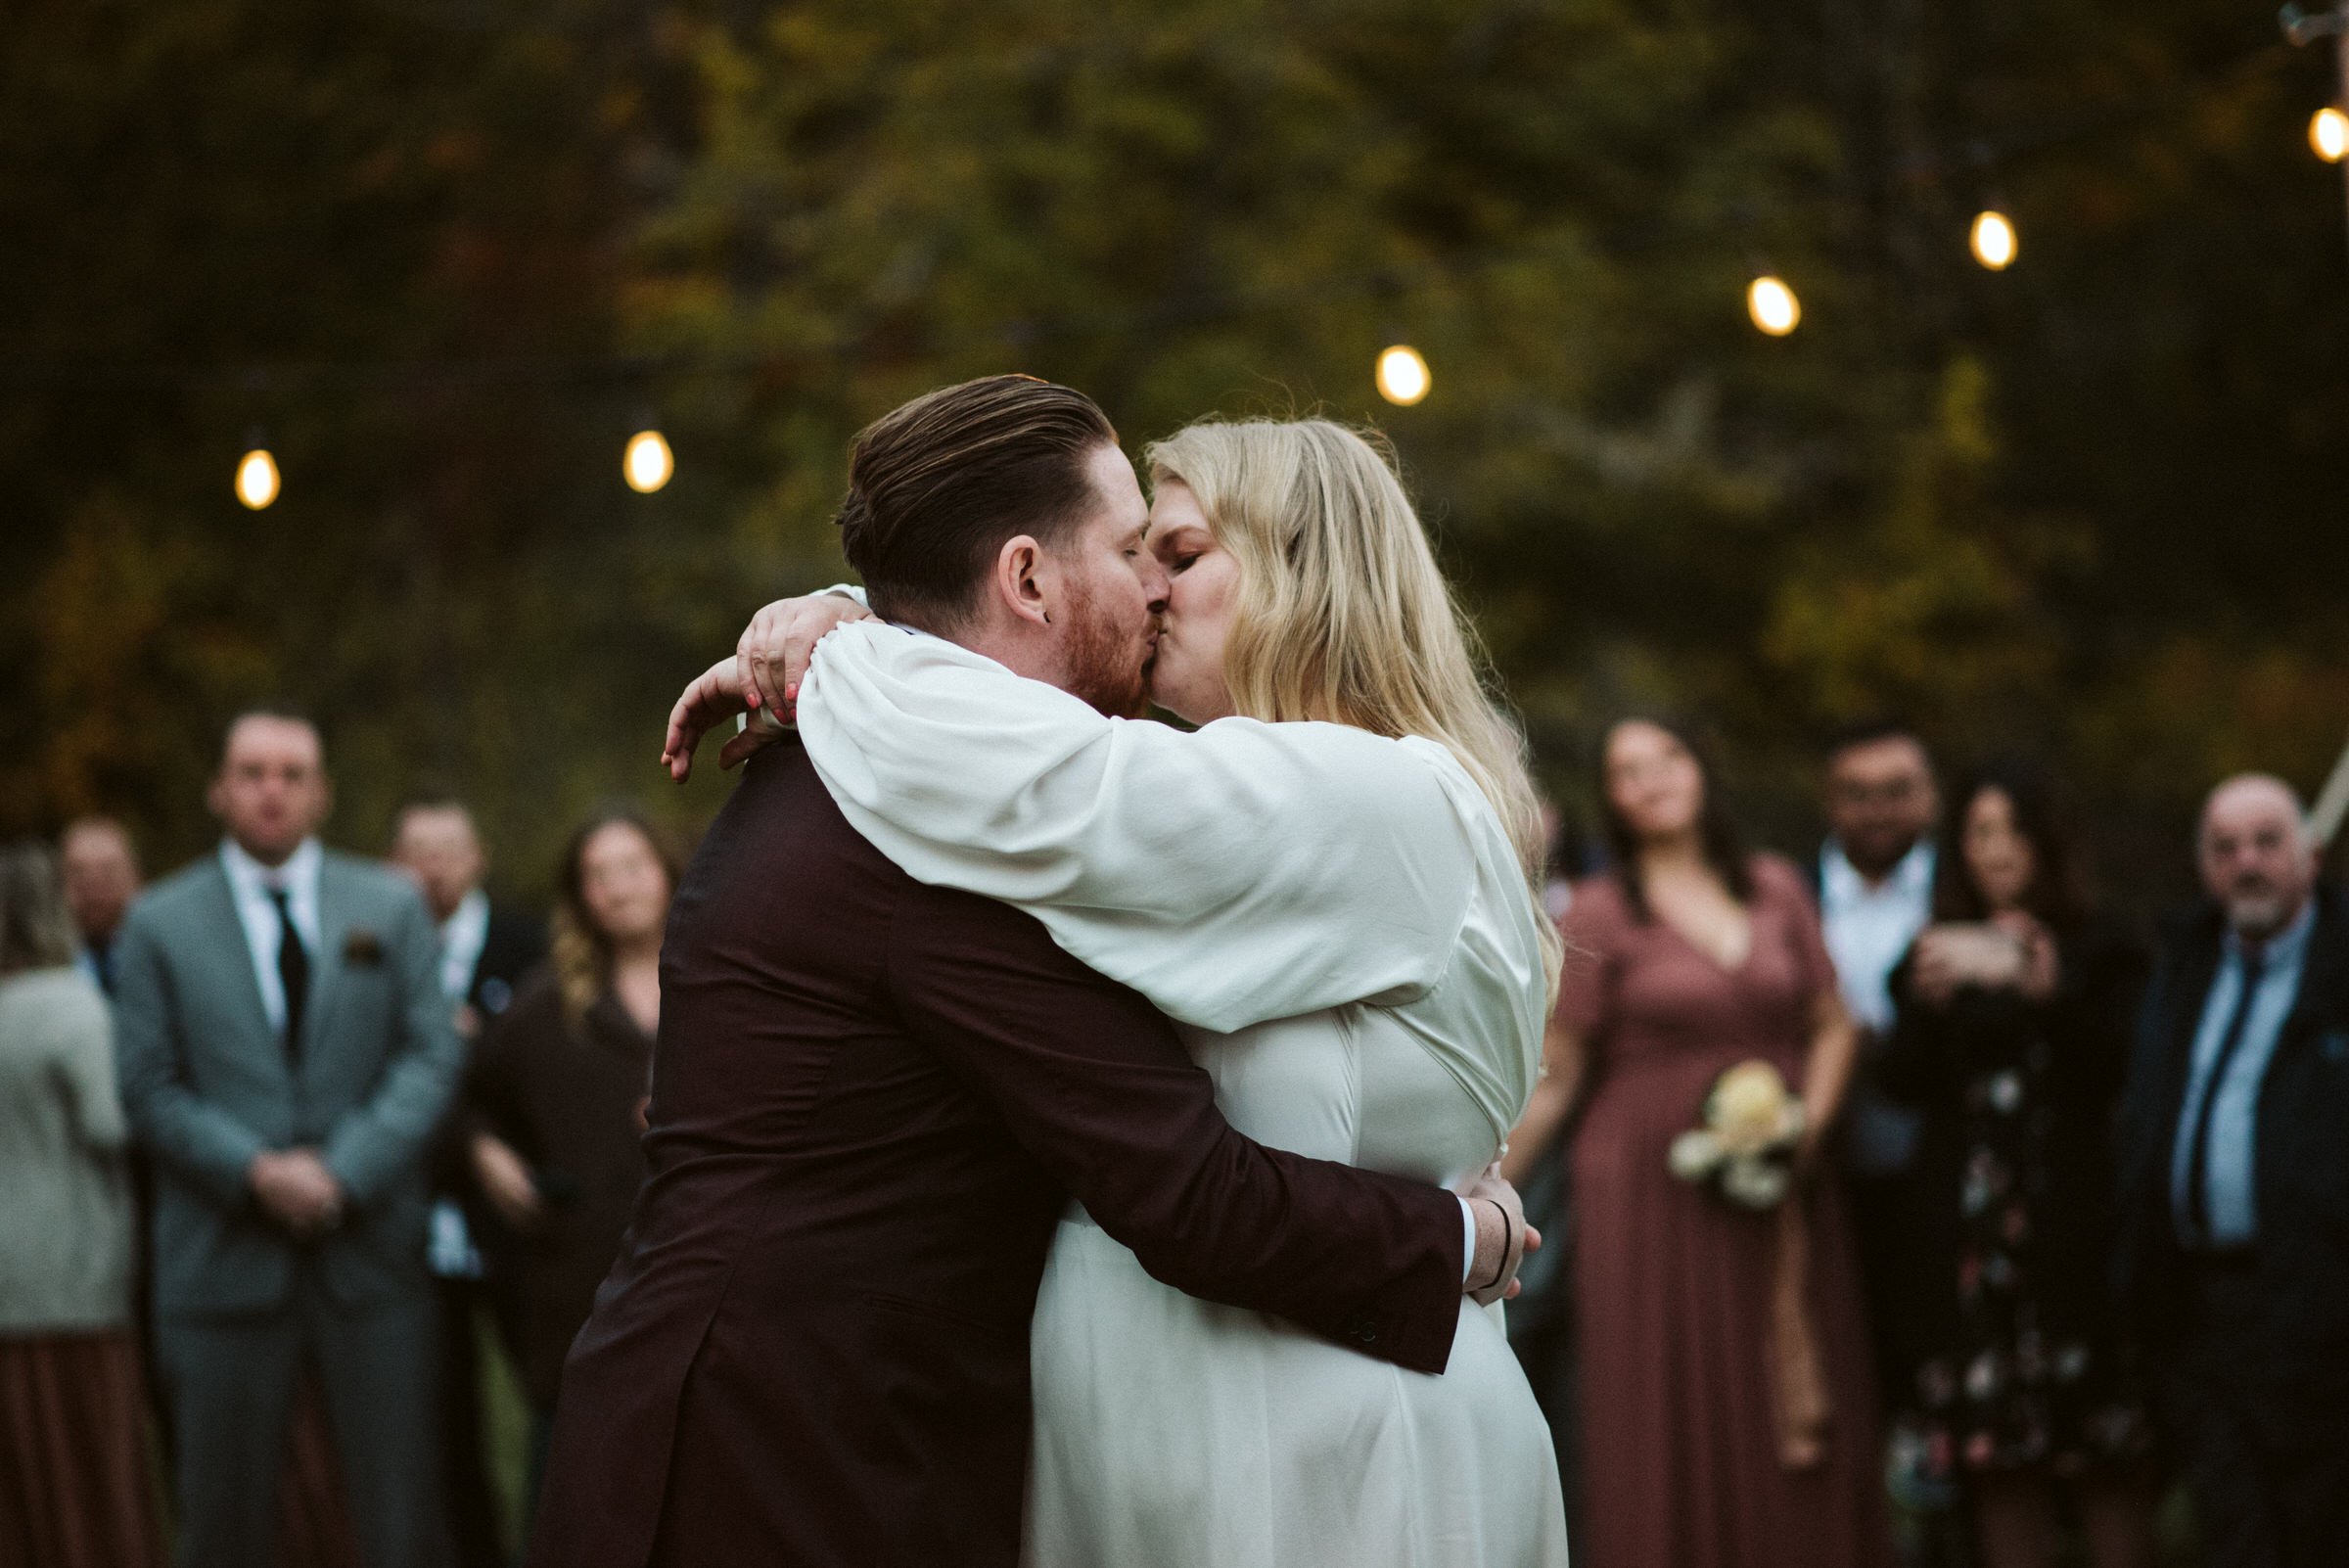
point(1173, 1431)
point(1339, 926)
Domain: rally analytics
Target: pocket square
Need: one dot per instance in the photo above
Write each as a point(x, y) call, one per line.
point(362, 948)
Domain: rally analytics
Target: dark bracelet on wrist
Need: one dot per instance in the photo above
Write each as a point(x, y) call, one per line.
point(1500, 1269)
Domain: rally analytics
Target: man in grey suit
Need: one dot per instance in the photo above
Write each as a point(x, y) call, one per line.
point(285, 1053)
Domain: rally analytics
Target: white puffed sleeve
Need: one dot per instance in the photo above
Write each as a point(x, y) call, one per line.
point(1242, 872)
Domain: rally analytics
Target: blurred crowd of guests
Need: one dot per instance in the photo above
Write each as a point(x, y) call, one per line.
point(2068, 1223)
point(287, 1137)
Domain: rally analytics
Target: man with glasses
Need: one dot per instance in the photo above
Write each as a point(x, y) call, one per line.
point(1876, 894)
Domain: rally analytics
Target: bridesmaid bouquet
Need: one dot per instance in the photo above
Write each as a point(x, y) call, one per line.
point(1744, 1150)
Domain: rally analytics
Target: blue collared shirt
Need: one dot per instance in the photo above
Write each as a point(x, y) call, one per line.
point(2229, 1193)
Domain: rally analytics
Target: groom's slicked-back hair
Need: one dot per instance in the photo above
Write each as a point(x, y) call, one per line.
point(938, 485)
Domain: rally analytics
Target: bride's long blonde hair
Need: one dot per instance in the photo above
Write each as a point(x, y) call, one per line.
point(1343, 615)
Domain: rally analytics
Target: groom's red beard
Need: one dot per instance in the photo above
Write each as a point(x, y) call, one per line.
point(1107, 668)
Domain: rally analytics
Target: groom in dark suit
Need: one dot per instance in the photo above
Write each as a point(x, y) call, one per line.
point(871, 1099)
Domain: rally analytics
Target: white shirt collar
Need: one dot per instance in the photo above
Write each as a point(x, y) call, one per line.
point(2284, 949)
point(299, 876)
point(1840, 882)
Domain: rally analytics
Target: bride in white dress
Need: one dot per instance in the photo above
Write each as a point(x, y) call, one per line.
point(1343, 918)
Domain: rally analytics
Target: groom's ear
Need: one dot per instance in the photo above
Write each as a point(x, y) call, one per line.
point(1025, 581)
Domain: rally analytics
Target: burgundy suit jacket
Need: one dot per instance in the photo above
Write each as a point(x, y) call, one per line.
point(871, 1099)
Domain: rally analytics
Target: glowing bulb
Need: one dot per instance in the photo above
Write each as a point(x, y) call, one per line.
point(2329, 133)
point(1402, 378)
point(1994, 240)
point(256, 478)
point(1773, 305)
point(648, 463)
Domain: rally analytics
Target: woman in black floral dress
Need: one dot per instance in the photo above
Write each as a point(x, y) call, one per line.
point(2013, 1039)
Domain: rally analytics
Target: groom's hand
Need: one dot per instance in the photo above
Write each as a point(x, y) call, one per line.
point(1502, 1238)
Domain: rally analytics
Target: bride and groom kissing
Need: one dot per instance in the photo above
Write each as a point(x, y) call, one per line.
point(1070, 1134)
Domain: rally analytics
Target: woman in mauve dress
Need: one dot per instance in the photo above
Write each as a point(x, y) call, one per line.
point(1727, 1413)
point(76, 1487)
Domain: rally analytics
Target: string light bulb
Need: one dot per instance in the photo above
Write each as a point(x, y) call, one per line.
point(257, 478)
point(1994, 240)
point(648, 462)
point(2328, 134)
point(1773, 304)
point(1403, 376)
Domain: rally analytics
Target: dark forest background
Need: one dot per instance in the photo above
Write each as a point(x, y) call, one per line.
point(448, 253)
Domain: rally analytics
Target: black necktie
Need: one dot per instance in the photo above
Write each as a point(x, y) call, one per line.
point(292, 971)
point(2197, 1159)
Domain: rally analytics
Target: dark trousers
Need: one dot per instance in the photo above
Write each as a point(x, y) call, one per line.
point(232, 1381)
point(2265, 1454)
point(1894, 1276)
point(463, 1467)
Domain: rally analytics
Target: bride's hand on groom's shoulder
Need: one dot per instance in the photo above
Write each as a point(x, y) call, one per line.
point(772, 656)
point(763, 680)
point(713, 697)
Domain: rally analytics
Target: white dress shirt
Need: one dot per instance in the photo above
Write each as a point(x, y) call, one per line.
point(1868, 929)
point(249, 885)
point(461, 936)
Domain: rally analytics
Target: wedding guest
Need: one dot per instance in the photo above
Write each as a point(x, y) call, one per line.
point(101, 877)
point(2015, 1014)
point(285, 1053)
point(75, 1491)
point(484, 947)
point(1728, 1418)
point(1541, 1317)
point(484, 950)
point(556, 1089)
point(101, 869)
point(2234, 1223)
point(1874, 880)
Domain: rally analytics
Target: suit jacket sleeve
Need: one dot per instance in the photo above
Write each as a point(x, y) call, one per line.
point(1094, 1083)
point(385, 1134)
point(194, 1135)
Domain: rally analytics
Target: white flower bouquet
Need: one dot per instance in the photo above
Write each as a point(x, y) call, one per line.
point(1744, 1150)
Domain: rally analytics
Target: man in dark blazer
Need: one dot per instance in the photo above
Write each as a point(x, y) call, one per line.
point(285, 1053)
point(873, 1098)
point(2234, 1149)
point(484, 952)
point(485, 946)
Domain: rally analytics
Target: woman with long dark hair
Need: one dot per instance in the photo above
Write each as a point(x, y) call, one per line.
point(2011, 1039)
point(557, 1089)
point(1723, 1392)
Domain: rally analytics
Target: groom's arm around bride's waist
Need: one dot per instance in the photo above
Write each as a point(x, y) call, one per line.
point(1093, 1083)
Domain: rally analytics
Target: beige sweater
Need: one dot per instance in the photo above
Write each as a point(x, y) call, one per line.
point(65, 1203)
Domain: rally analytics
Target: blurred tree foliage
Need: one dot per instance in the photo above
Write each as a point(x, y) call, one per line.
point(448, 251)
